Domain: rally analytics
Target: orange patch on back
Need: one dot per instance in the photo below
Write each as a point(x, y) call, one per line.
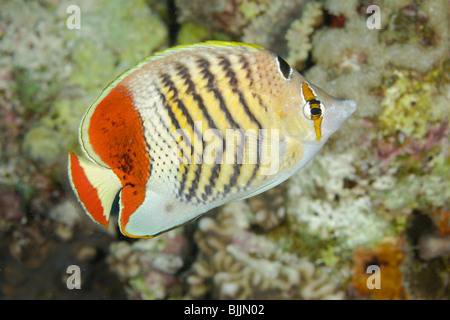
point(116, 135)
point(87, 194)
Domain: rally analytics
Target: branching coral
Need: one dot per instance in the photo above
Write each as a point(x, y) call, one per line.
point(122, 37)
point(29, 31)
point(300, 32)
point(268, 209)
point(243, 265)
point(268, 29)
point(260, 22)
point(332, 201)
point(150, 266)
point(356, 62)
point(196, 11)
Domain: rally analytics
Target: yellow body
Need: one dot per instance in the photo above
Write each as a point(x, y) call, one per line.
point(266, 120)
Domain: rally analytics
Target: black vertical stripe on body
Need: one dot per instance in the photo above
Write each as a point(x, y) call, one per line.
point(167, 82)
point(175, 123)
point(247, 109)
point(159, 141)
point(184, 73)
point(246, 67)
point(173, 119)
point(160, 138)
point(255, 170)
point(260, 140)
point(204, 66)
point(204, 69)
point(254, 120)
point(214, 175)
point(193, 189)
point(161, 145)
point(231, 74)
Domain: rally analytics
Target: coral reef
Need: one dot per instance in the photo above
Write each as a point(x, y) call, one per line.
point(236, 263)
point(391, 159)
point(377, 194)
point(150, 267)
point(361, 65)
point(332, 202)
point(388, 256)
point(255, 21)
point(268, 29)
point(268, 209)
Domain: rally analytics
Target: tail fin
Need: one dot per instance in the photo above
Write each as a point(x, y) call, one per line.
point(95, 186)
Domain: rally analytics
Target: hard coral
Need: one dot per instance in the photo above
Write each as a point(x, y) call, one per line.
point(150, 266)
point(300, 31)
point(355, 62)
point(268, 209)
point(235, 263)
point(331, 202)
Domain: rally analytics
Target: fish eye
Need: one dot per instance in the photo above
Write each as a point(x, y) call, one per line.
point(313, 109)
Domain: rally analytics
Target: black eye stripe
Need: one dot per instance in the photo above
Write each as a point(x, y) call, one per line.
point(285, 68)
point(314, 101)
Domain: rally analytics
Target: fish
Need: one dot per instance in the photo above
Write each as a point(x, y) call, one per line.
point(193, 127)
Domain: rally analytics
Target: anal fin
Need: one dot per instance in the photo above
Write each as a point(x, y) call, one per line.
point(96, 187)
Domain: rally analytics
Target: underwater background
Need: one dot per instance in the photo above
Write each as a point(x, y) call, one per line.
point(376, 196)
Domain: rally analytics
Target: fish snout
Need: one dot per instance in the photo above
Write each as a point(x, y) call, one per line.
point(335, 115)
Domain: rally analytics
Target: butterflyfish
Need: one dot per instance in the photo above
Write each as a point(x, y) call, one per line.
point(193, 127)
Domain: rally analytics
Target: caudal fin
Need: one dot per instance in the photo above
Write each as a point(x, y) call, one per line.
point(95, 186)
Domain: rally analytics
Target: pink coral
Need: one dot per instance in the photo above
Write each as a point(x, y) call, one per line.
point(389, 148)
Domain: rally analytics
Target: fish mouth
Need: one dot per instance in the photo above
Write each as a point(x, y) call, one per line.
point(335, 115)
point(349, 107)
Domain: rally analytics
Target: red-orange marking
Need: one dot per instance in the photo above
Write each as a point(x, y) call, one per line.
point(116, 134)
point(86, 192)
